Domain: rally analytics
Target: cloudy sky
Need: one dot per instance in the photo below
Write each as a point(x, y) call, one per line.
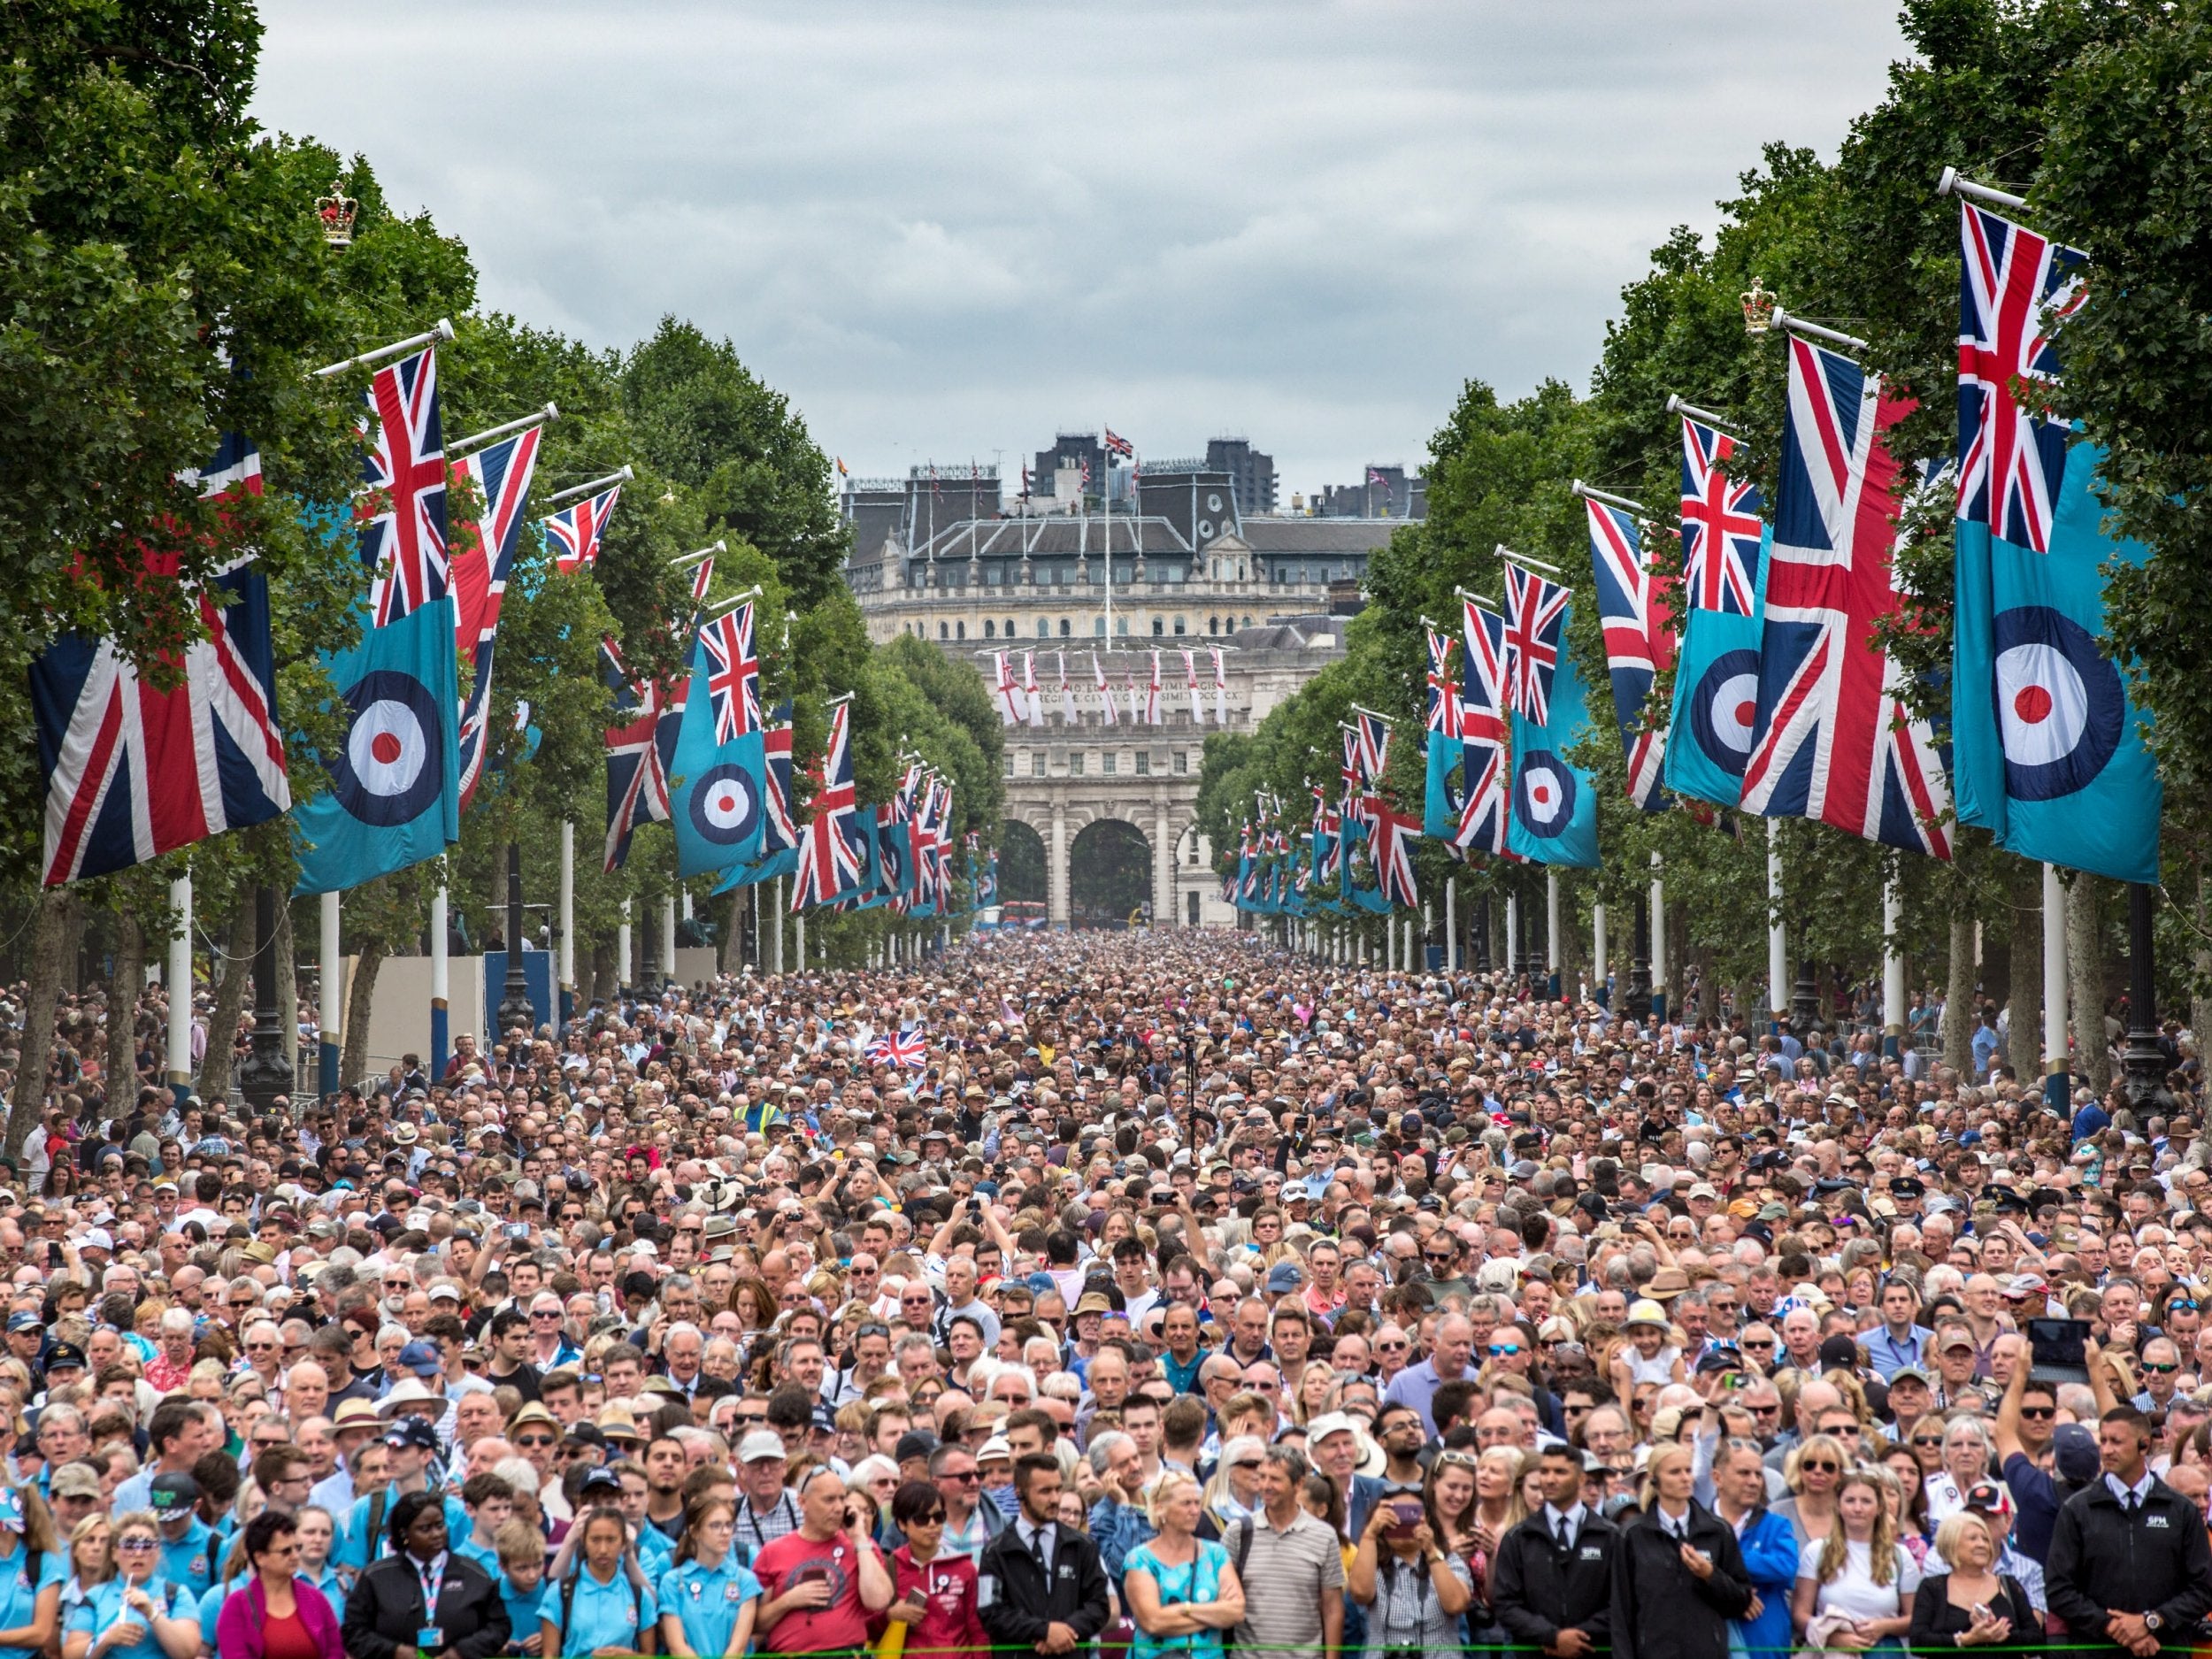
point(949, 228)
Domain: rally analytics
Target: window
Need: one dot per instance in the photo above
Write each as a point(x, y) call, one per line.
point(1144, 763)
point(1075, 762)
point(1182, 762)
point(1179, 628)
point(1044, 627)
point(1064, 629)
point(1159, 628)
point(988, 627)
point(991, 576)
point(1248, 622)
point(1213, 625)
point(942, 632)
point(959, 630)
point(1106, 762)
point(1037, 765)
point(1010, 763)
point(1098, 625)
point(1121, 624)
point(1009, 627)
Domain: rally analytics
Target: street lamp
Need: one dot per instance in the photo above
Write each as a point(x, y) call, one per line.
point(2145, 1079)
point(264, 1075)
point(514, 1004)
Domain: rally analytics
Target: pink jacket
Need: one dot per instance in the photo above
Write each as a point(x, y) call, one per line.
point(239, 1627)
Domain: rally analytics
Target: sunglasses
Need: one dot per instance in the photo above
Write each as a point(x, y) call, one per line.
point(1934, 1440)
point(137, 1546)
point(534, 1439)
point(2163, 1371)
point(1757, 1345)
point(1391, 1347)
point(1499, 1350)
point(2037, 1412)
point(962, 1479)
point(1821, 1466)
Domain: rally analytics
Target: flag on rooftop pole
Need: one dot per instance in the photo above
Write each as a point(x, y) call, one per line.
point(2048, 748)
point(1835, 741)
point(1725, 546)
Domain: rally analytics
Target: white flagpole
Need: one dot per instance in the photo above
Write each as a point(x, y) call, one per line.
point(1777, 946)
point(2056, 1068)
point(564, 1008)
point(622, 944)
point(1451, 922)
point(1893, 963)
point(330, 1010)
point(429, 336)
point(621, 475)
point(180, 987)
point(1658, 928)
point(668, 938)
point(1597, 949)
point(1551, 925)
point(440, 985)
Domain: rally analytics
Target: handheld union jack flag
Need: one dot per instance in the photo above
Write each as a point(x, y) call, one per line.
point(1720, 525)
point(1638, 644)
point(2013, 286)
point(403, 461)
point(575, 532)
point(1535, 613)
point(733, 673)
point(1834, 740)
point(831, 856)
point(908, 1047)
point(1482, 730)
point(132, 772)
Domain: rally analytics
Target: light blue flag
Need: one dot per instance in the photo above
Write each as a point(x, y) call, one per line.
point(717, 777)
point(394, 794)
point(1717, 696)
point(2054, 746)
point(1555, 816)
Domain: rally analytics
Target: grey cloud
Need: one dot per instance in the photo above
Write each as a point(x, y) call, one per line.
point(945, 228)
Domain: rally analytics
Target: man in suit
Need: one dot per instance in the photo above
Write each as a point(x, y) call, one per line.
point(1042, 1587)
point(1553, 1583)
point(2130, 1564)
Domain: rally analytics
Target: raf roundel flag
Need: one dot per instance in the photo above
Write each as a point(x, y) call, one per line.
point(718, 776)
point(1554, 818)
point(394, 794)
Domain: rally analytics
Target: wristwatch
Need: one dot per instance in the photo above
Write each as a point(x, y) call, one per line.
point(2153, 1621)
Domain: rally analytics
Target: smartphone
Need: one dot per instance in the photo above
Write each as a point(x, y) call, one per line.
point(811, 1575)
point(1408, 1511)
point(518, 1229)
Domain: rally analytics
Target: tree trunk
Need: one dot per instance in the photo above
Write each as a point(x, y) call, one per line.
point(1959, 1014)
point(48, 942)
point(128, 981)
point(2084, 977)
point(2024, 1037)
point(1706, 960)
point(230, 1000)
point(731, 956)
point(603, 966)
point(360, 995)
point(2201, 987)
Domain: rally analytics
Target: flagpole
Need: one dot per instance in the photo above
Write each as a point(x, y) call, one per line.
point(1658, 937)
point(179, 977)
point(1451, 922)
point(1551, 927)
point(535, 417)
point(2056, 1094)
point(1676, 406)
point(1590, 493)
point(707, 552)
point(429, 336)
point(1108, 496)
point(1950, 183)
point(1778, 944)
point(668, 938)
point(566, 1010)
point(330, 997)
point(1814, 331)
point(1505, 552)
point(620, 475)
point(1597, 955)
point(622, 950)
point(775, 941)
point(440, 985)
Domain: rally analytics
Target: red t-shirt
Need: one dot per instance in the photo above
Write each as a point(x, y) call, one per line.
point(289, 1639)
point(841, 1623)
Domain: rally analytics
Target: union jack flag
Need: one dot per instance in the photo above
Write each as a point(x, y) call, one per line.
point(1392, 854)
point(1327, 838)
point(403, 461)
point(1374, 746)
point(483, 558)
point(1639, 643)
point(575, 532)
point(1832, 739)
point(1442, 705)
point(132, 772)
point(637, 779)
point(1352, 779)
point(1482, 730)
point(701, 579)
point(831, 856)
point(1720, 525)
point(1535, 611)
point(2013, 286)
point(908, 1048)
point(733, 673)
point(779, 832)
point(1116, 444)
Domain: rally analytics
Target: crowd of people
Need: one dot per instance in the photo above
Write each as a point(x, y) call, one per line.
point(1165, 1294)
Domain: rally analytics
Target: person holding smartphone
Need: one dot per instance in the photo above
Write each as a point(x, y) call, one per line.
point(936, 1593)
point(824, 1580)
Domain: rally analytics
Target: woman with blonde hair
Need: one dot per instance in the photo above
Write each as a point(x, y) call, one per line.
point(1855, 1587)
point(1814, 1475)
point(1182, 1589)
point(131, 1612)
point(1233, 1493)
point(1973, 1605)
point(1678, 1574)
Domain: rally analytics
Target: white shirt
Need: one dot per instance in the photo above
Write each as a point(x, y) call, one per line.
point(1553, 1516)
point(1030, 1533)
point(2129, 1497)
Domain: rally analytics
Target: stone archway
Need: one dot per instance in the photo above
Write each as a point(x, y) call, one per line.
point(1022, 867)
point(1109, 875)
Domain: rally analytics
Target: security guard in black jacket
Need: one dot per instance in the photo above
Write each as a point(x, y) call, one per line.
point(1553, 1583)
point(2129, 1562)
point(1040, 1585)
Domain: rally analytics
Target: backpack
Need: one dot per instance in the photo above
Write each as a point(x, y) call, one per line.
point(568, 1605)
point(1239, 1546)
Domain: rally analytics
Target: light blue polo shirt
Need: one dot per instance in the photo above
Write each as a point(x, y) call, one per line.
point(102, 1607)
point(708, 1600)
point(19, 1596)
point(602, 1615)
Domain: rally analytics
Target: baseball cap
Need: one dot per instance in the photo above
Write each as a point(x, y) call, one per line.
point(2074, 1453)
point(75, 1480)
point(171, 1494)
point(913, 1443)
point(422, 1359)
point(23, 1322)
point(413, 1432)
point(760, 1444)
point(1284, 1277)
point(1839, 1352)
